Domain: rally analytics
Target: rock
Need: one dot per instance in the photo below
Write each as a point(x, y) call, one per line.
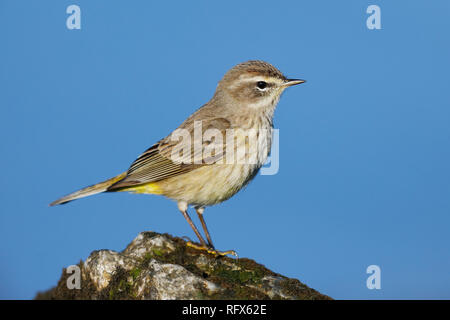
point(159, 266)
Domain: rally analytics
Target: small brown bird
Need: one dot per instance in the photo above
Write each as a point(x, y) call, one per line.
point(224, 144)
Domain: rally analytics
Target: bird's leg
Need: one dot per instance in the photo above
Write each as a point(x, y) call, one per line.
point(200, 211)
point(183, 208)
point(203, 246)
point(210, 248)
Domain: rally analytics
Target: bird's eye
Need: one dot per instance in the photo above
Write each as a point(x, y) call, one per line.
point(261, 85)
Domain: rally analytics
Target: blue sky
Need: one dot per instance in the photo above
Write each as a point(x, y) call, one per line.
point(364, 145)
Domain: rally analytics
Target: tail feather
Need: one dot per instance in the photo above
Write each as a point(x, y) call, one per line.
point(88, 191)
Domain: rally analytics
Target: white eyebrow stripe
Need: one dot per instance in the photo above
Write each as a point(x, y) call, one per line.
point(246, 78)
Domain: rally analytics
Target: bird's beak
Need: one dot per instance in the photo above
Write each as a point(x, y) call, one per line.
point(293, 82)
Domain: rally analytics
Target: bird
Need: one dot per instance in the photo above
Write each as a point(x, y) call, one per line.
point(214, 153)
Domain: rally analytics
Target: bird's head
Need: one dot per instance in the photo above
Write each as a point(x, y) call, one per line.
point(254, 84)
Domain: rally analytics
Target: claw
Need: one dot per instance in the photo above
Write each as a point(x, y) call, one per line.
point(212, 251)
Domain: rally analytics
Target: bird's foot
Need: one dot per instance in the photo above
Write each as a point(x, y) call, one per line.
point(212, 250)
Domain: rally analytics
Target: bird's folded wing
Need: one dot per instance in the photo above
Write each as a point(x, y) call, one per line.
point(181, 152)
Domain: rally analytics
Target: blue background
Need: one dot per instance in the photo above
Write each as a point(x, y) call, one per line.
point(364, 145)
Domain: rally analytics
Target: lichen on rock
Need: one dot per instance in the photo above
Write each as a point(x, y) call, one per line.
point(159, 266)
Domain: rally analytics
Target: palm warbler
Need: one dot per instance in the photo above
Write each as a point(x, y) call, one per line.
point(213, 153)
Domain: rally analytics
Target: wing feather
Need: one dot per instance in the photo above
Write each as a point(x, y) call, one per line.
point(157, 162)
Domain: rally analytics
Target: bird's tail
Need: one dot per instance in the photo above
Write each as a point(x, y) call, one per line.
point(88, 191)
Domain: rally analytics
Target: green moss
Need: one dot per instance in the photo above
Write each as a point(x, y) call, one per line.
point(111, 294)
point(147, 256)
point(157, 252)
point(240, 276)
point(135, 273)
point(300, 291)
point(120, 287)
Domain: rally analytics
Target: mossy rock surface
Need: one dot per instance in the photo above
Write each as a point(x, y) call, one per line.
point(159, 266)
